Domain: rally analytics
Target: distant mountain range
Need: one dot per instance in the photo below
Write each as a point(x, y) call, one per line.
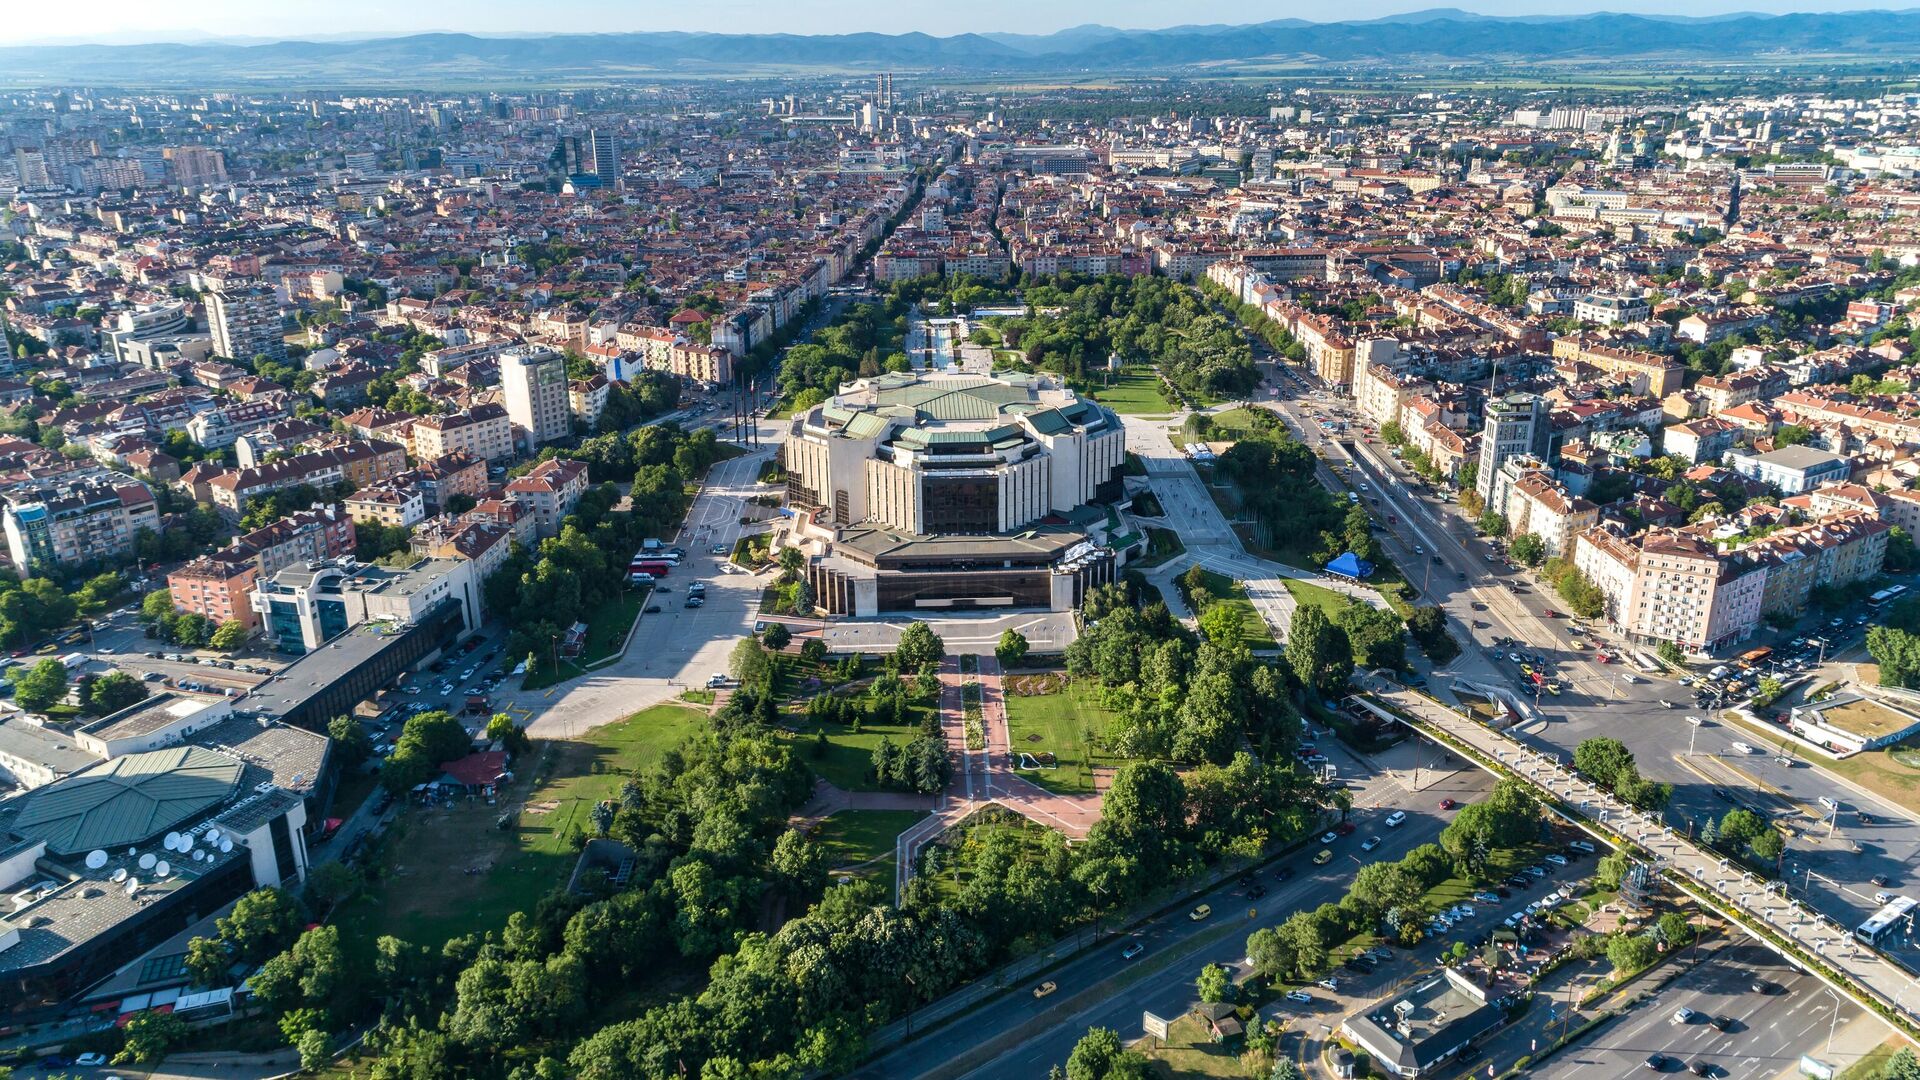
point(1434, 36)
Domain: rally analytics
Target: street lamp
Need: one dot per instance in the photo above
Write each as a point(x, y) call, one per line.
point(1693, 723)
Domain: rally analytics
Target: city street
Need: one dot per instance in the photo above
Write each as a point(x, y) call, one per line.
point(1770, 1030)
point(1014, 1036)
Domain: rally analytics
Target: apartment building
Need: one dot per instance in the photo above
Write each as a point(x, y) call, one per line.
point(1648, 373)
point(358, 463)
point(1673, 585)
point(1792, 469)
point(1516, 425)
point(1540, 505)
point(216, 586)
point(1837, 550)
point(246, 323)
point(484, 432)
point(551, 490)
point(76, 521)
point(534, 384)
point(393, 504)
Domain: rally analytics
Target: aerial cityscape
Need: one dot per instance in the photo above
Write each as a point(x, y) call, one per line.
point(957, 545)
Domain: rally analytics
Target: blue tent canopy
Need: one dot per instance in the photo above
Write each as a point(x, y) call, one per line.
point(1349, 565)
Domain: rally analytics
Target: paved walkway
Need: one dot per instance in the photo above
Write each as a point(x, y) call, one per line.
point(829, 800)
point(986, 777)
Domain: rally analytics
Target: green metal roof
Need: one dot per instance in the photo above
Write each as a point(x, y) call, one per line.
point(1049, 422)
point(128, 800)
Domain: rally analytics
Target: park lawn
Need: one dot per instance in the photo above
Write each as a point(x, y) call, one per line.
point(1254, 632)
point(852, 838)
point(1238, 423)
point(1135, 391)
point(1873, 1066)
point(1068, 724)
point(1328, 601)
point(848, 758)
point(449, 871)
point(1189, 1051)
point(607, 626)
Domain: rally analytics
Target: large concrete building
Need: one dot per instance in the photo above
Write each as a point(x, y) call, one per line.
point(245, 323)
point(534, 384)
point(917, 492)
point(76, 522)
point(304, 607)
point(1516, 425)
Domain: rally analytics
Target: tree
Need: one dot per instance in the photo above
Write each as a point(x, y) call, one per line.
point(1671, 655)
point(919, 645)
point(1428, 625)
point(1631, 952)
point(1374, 634)
point(1219, 624)
point(316, 1049)
point(1895, 650)
point(112, 692)
point(1602, 760)
point(229, 635)
point(1317, 651)
point(1271, 956)
point(1903, 1066)
point(1612, 870)
point(749, 664)
point(1528, 548)
point(1099, 1056)
point(351, 740)
point(1285, 1069)
point(149, 1037)
point(1012, 648)
point(776, 635)
point(1215, 984)
point(1493, 524)
point(42, 686)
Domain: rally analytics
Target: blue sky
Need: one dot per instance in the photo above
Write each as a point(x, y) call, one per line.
point(115, 21)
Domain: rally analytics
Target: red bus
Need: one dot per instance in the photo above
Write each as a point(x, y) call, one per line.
point(657, 567)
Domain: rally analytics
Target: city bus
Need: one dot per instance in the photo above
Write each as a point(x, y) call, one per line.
point(656, 567)
point(1886, 596)
point(1897, 914)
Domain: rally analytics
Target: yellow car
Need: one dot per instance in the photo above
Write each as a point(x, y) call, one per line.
point(1200, 913)
point(1325, 857)
point(1045, 988)
point(1553, 688)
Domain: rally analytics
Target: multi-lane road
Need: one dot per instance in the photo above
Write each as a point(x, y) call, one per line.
point(1016, 1036)
point(1419, 530)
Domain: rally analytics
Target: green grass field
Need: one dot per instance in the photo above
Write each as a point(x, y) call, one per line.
point(449, 871)
point(1325, 599)
point(849, 754)
point(1220, 589)
point(853, 837)
point(1134, 391)
point(1068, 723)
point(607, 626)
point(1189, 1051)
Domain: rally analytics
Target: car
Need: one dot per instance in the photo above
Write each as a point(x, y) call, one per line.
point(694, 601)
point(1883, 898)
point(1702, 1068)
point(719, 549)
point(55, 1061)
point(1684, 1016)
point(1557, 859)
point(653, 609)
point(1760, 986)
point(1581, 845)
point(1724, 1023)
point(1345, 828)
point(1284, 873)
point(1881, 880)
point(1448, 804)
point(1045, 988)
point(1200, 913)
point(1369, 843)
point(1257, 890)
point(1300, 997)
point(1315, 759)
point(1485, 897)
point(1743, 748)
point(152, 676)
point(1329, 836)
point(1328, 983)
point(91, 1060)
point(1550, 613)
point(1396, 819)
point(1133, 950)
point(1324, 857)
point(1657, 1062)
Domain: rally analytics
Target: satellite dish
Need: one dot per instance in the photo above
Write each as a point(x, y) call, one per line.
point(172, 842)
point(146, 861)
point(163, 868)
point(96, 859)
point(213, 836)
point(119, 873)
point(131, 852)
point(198, 855)
point(133, 885)
point(226, 845)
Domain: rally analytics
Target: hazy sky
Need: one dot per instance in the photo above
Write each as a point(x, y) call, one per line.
point(114, 21)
